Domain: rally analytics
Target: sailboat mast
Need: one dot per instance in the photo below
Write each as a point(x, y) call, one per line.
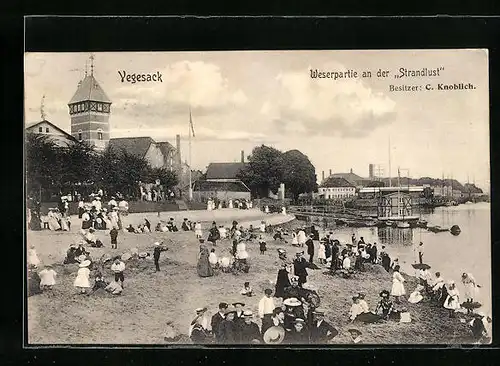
point(390, 180)
point(190, 178)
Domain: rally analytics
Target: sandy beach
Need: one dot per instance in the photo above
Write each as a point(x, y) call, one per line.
point(151, 300)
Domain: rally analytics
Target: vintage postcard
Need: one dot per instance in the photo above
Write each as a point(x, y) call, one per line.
point(258, 197)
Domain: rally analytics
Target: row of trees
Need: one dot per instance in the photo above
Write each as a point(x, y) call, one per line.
point(54, 168)
point(268, 167)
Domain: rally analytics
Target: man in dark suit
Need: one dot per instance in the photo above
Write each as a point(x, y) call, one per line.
point(310, 247)
point(321, 331)
point(217, 319)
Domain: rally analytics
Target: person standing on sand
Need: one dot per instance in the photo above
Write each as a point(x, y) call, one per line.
point(118, 267)
point(398, 288)
point(282, 282)
point(82, 282)
point(214, 234)
point(300, 268)
point(266, 308)
point(452, 302)
point(310, 247)
point(217, 318)
point(228, 332)
point(301, 237)
point(113, 233)
point(156, 255)
point(470, 285)
point(322, 252)
point(204, 268)
point(421, 253)
point(197, 230)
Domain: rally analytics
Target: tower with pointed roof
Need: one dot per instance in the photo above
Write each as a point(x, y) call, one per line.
point(89, 110)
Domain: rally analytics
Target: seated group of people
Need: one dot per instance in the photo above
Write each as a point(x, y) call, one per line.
point(289, 324)
point(385, 310)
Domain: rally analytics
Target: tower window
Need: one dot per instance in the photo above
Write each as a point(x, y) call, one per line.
point(40, 129)
point(99, 107)
point(79, 135)
point(99, 134)
point(47, 130)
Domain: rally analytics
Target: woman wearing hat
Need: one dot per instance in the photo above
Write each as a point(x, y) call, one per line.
point(82, 282)
point(452, 302)
point(204, 268)
point(282, 281)
point(470, 285)
point(293, 310)
point(299, 334)
point(199, 331)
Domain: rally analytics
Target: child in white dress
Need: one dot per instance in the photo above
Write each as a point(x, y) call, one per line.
point(82, 281)
point(398, 288)
point(47, 278)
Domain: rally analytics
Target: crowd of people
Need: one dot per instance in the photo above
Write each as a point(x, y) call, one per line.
point(297, 319)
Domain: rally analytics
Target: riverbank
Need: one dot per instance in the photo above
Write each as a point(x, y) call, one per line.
point(151, 300)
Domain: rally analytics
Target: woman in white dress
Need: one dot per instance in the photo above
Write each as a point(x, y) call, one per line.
point(266, 209)
point(262, 227)
point(452, 301)
point(82, 282)
point(33, 257)
point(230, 204)
point(322, 253)
point(301, 237)
point(470, 285)
point(398, 288)
point(197, 230)
point(416, 296)
point(52, 220)
point(295, 241)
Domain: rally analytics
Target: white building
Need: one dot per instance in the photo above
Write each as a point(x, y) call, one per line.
point(336, 188)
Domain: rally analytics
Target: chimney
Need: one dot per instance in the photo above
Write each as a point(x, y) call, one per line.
point(242, 156)
point(178, 147)
point(330, 173)
point(322, 175)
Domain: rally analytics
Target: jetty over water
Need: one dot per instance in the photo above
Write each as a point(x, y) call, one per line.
point(388, 190)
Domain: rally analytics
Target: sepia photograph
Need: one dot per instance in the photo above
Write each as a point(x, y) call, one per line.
point(266, 198)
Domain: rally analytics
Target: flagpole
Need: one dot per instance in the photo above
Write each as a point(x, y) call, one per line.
point(190, 178)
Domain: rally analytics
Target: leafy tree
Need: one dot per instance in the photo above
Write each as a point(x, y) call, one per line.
point(42, 168)
point(263, 171)
point(168, 179)
point(298, 173)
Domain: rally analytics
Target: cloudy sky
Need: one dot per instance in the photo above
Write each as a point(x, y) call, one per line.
point(243, 99)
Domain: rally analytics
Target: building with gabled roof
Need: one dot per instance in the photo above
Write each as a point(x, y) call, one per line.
point(222, 182)
point(224, 171)
point(157, 154)
point(60, 137)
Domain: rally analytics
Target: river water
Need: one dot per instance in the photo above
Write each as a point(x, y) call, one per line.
point(451, 255)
